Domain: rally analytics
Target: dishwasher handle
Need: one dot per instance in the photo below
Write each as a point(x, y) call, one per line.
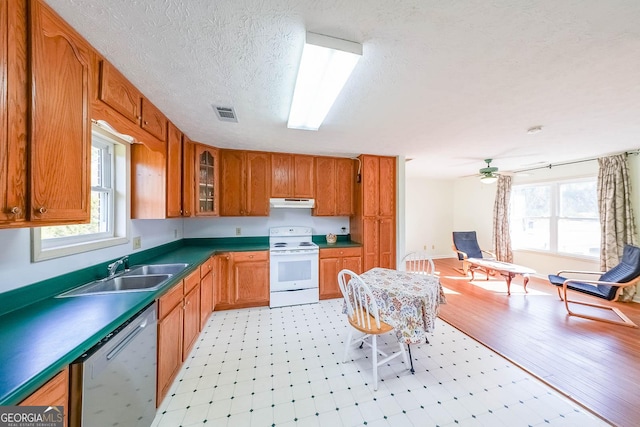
point(122, 344)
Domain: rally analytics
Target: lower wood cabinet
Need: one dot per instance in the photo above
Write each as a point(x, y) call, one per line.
point(206, 291)
point(332, 260)
point(191, 312)
point(243, 280)
point(54, 393)
point(170, 324)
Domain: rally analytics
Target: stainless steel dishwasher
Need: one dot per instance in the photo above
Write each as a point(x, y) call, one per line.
point(114, 383)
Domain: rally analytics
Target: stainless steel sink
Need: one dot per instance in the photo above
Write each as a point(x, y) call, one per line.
point(143, 270)
point(121, 283)
point(140, 278)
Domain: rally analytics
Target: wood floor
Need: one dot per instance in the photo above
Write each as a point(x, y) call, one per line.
point(594, 363)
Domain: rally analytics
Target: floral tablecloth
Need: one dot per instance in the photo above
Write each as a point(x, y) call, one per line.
point(407, 301)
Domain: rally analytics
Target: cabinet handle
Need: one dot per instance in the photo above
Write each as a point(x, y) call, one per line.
point(16, 211)
point(146, 122)
point(250, 256)
point(42, 210)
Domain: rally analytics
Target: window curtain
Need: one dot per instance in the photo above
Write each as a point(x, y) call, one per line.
point(617, 224)
point(501, 234)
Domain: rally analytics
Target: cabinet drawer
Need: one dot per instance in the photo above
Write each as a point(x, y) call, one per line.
point(206, 267)
point(191, 281)
point(340, 252)
point(168, 301)
point(250, 256)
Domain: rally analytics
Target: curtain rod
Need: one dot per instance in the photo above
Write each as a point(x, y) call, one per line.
point(549, 166)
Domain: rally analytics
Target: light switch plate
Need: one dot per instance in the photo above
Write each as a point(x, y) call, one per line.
point(137, 242)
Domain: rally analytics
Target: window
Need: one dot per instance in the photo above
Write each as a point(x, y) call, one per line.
point(108, 226)
point(557, 217)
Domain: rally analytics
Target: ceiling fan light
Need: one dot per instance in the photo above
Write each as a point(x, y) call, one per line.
point(488, 179)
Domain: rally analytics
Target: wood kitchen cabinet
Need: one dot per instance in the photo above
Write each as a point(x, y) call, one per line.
point(206, 291)
point(191, 312)
point(55, 392)
point(332, 261)
point(206, 177)
point(334, 186)
point(174, 172)
point(245, 178)
point(170, 332)
point(292, 175)
point(13, 114)
point(118, 93)
point(60, 135)
point(374, 222)
point(247, 280)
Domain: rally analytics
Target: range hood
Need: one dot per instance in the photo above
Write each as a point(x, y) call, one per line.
point(292, 203)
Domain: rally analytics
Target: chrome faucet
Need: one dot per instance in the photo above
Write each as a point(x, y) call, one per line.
point(113, 267)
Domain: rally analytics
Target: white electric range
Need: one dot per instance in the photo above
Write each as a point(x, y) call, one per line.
point(293, 266)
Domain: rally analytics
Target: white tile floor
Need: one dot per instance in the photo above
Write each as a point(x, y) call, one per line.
point(282, 367)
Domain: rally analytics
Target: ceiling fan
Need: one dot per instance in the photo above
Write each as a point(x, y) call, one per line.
point(489, 174)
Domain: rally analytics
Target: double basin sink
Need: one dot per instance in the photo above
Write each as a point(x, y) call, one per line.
point(139, 278)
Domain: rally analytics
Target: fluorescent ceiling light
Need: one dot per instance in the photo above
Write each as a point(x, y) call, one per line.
point(325, 66)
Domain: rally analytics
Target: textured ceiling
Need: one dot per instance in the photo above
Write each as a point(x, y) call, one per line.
point(446, 83)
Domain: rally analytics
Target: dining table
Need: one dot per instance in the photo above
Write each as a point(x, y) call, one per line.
point(408, 301)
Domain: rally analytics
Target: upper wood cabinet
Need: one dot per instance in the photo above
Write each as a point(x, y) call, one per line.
point(13, 114)
point(116, 91)
point(245, 178)
point(206, 177)
point(292, 175)
point(378, 185)
point(188, 178)
point(60, 137)
point(334, 186)
point(174, 172)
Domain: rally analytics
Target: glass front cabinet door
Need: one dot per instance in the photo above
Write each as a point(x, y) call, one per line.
point(206, 181)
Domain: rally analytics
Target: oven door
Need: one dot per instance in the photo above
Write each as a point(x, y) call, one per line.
point(289, 272)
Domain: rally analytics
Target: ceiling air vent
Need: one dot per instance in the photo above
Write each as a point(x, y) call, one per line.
point(226, 114)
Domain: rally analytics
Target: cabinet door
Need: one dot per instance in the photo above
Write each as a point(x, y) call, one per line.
point(344, 187)
point(250, 279)
point(258, 184)
point(303, 176)
point(169, 350)
point(325, 186)
point(53, 393)
point(223, 294)
point(329, 269)
point(281, 175)
point(174, 172)
point(191, 320)
point(206, 175)
point(370, 243)
point(188, 180)
point(232, 195)
point(148, 182)
point(387, 192)
point(353, 263)
point(13, 113)
point(153, 121)
point(60, 140)
point(116, 91)
point(370, 185)
point(387, 243)
point(206, 298)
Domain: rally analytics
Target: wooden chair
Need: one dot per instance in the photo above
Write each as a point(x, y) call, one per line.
point(608, 286)
point(465, 245)
point(418, 262)
point(363, 315)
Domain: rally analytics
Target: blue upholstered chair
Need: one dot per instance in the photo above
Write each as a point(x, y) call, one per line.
point(608, 286)
point(465, 245)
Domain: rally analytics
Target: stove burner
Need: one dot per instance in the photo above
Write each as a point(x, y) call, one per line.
point(306, 244)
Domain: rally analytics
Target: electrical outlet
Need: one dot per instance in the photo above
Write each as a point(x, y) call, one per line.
point(175, 233)
point(238, 231)
point(424, 247)
point(433, 247)
point(137, 242)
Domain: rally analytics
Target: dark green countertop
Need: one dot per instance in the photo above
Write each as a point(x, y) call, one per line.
point(41, 334)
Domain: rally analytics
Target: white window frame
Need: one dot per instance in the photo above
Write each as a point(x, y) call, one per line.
point(554, 217)
point(117, 232)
